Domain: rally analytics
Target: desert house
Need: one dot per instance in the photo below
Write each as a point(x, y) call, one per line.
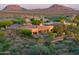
point(36, 29)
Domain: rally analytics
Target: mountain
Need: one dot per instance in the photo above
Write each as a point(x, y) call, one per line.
point(56, 10)
point(14, 8)
point(53, 10)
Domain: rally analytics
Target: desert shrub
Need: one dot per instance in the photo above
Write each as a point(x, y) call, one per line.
point(38, 50)
point(15, 51)
point(26, 32)
point(5, 44)
point(74, 51)
point(52, 49)
point(2, 33)
point(40, 41)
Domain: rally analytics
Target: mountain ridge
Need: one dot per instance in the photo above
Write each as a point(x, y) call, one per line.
point(55, 9)
point(14, 8)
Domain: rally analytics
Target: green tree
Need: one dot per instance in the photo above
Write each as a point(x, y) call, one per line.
point(2, 33)
point(52, 35)
point(19, 21)
point(76, 19)
point(5, 23)
point(59, 29)
point(26, 32)
point(36, 22)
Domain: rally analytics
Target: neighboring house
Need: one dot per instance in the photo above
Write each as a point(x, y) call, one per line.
point(28, 19)
point(14, 27)
point(3, 19)
point(68, 23)
point(36, 29)
point(45, 19)
point(11, 29)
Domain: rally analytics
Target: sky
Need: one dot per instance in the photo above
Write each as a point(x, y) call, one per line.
point(41, 6)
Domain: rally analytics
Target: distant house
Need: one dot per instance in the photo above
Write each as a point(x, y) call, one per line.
point(69, 23)
point(55, 19)
point(30, 18)
point(45, 19)
point(2, 19)
point(54, 23)
point(27, 20)
point(58, 18)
